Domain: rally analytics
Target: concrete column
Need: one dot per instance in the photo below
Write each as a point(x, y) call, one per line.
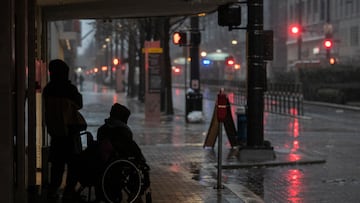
point(7, 125)
point(21, 52)
point(31, 96)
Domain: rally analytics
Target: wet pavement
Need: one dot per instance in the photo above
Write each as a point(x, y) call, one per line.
point(317, 155)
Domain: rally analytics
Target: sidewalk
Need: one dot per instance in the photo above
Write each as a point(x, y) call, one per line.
point(173, 150)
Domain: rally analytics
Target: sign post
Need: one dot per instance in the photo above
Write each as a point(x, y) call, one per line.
point(221, 116)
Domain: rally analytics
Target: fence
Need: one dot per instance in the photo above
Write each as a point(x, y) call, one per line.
point(279, 98)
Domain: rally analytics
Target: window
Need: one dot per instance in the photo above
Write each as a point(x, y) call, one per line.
point(315, 6)
point(68, 26)
point(309, 13)
point(354, 36)
point(322, 10)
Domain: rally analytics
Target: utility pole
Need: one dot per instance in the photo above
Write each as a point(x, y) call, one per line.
point(328, 31)
point(256, 148)
point(194, 54)
point(299, 38)
point(256, 70)
point(194, 99)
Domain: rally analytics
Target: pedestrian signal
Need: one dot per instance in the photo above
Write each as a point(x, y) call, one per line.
point(179, 38)
point(332, 60)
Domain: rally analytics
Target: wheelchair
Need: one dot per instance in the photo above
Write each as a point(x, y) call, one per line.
point(119, 179)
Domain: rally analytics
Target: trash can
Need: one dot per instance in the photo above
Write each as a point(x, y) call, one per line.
point(241, 125)
point(193, 102)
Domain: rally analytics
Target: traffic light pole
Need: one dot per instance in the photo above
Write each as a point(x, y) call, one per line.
point(299, 38)
point(256, 74)
point(193, 99)
point(256, 148)
point(194, 54)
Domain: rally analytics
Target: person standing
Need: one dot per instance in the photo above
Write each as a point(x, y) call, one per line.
point(61, 98)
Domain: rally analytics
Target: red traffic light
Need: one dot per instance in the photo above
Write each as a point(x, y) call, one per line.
point(295, 29)
point(179, 38)
point(328, 43)
point(230, 61)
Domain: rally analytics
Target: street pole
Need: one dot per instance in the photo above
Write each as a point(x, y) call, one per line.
point(256, 74)
point(299, 39)
point(194, 99)
point(194, 54)
point(328, 34)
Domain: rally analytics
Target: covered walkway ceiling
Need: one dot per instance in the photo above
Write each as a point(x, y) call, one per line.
point(96, 9)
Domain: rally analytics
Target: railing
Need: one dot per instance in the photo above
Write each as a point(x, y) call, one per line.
point(285, 99)
point(280, 98)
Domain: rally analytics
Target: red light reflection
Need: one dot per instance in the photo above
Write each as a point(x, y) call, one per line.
point(294, 127)
point(295, 145)
point(294, 179)
point(177, 92)
point(294, 111)
point(174, 167)
point(294, 157)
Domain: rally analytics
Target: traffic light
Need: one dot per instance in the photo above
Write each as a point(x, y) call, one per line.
point(176, 70)
point(230, 61)
point(268, 45)
point(328, 43)
point(229, 15)
point(116, 61)
point(295, 29)
point(332, 60)
point(179, 38)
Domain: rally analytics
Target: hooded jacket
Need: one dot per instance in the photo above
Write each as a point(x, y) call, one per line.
point(61, 98)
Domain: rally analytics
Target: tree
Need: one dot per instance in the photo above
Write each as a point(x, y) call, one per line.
point(158, 28)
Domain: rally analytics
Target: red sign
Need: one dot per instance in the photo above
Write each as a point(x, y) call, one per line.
point(221, 107)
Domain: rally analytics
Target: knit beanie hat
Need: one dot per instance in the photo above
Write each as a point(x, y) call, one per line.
point(120, 112)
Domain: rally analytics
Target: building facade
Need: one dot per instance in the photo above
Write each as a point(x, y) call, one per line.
point(337, 20)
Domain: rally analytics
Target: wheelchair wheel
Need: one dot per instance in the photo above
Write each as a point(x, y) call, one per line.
point(119, 178)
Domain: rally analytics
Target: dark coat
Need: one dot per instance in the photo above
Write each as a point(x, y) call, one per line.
point(61, 97)
point(116, 135)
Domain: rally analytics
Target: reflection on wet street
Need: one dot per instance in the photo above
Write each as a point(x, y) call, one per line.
point(317, 155)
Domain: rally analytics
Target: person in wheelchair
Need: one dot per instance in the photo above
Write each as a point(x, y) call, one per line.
point(115, 141)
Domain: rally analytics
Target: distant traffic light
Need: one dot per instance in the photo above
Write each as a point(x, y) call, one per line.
point(176, 70)
point(332, 60)
point(230, 61)
point(116, 61)
point(295, 29)
point(328, 43)
point(179, 38)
